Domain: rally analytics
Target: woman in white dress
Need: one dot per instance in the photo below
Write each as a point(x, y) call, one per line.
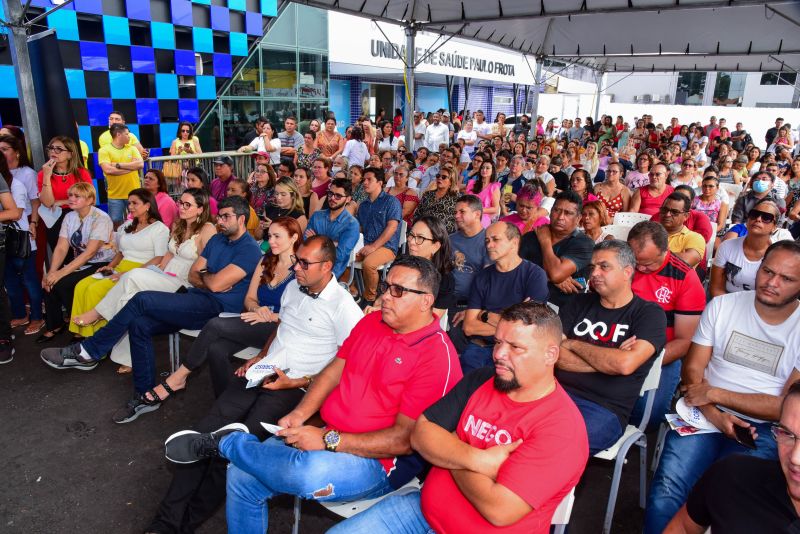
point(188, 237)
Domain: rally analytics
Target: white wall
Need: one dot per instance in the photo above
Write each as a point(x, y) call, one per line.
point(625, 86)
point(755, 93)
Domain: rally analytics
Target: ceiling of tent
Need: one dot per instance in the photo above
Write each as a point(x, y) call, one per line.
point(613, 35)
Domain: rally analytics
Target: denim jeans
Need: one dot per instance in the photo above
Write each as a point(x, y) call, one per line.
point(259, 471)
point(21, 277)
point(683, 462)
point(147, 314)
point(475, 357)
point(117, 209)
point(602, 425)
point(670, 378)
point(396, 514)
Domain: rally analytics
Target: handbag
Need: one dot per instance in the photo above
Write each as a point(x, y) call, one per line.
point(18, 241)
point(172, 169)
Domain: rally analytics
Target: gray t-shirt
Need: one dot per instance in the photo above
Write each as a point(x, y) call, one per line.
point(470, 257)
point(292, 141)
point(4, 187)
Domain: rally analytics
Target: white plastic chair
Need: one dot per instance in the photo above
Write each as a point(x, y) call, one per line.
point(710, 245)
point(633, 435)
point(733, 190)
point(618, 231)
point(629, 218)
point(563, 512)
point(547, 204)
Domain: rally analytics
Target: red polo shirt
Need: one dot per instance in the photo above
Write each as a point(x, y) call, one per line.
point(675, 287)
point(387, 373)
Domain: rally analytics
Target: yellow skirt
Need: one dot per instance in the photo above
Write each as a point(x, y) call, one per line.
point(90, 291)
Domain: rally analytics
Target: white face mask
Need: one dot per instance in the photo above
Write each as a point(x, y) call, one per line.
point(335, 169)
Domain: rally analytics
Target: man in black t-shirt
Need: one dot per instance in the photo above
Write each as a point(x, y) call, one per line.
point(612, 338)
point(563, 251)
point(744, 494)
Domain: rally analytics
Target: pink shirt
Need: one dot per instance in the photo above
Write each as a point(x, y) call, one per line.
point(486, 199)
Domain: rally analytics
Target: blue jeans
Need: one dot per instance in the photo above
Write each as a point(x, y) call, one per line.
point(117, 209)
point(475, 357)
point(602, 425)
point(670, 378)
point(683, 462)
point(147, 314)
point(259, 471)
point(396, 514)
point(21, 277)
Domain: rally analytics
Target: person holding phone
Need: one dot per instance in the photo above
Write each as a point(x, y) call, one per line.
point(743, 358)
point(185, 142)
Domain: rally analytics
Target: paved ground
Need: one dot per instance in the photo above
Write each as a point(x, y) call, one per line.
point(66, 467)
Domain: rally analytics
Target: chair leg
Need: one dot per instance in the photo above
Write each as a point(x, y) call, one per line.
point(174, 351)
point(662, 435)
point(612, 496)
point(359, 283)
point(559, 529)
point(642, 471)
point(296, 525)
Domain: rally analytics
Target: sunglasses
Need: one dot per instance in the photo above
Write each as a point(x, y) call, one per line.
point(671, 212)
point(763, 215)
point(185, 131)
point(397, 291)
point(302, 263)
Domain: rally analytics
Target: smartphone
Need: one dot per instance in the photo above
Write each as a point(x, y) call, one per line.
point(582, 282)
point(744, 437)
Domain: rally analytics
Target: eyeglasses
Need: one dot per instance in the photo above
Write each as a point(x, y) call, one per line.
point(765, 216)
point(397, 291)
point(671, 212)
point(335, 196)
point(184, 205)
point(303, 263)
point(56, 149)
point(783, 436)
point(226, 216)
point(688, 165)
point(419, 239)
point(185, 131)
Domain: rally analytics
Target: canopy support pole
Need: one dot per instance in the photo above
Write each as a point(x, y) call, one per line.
point(411, 34)
point(598, 93)
point(537, 80)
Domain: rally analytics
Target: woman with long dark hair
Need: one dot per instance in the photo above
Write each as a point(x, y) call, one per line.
point(197, 178)
point(185, 141)
point(487, 188)
point(140, 242)
point(9, 212)
point(156, 184)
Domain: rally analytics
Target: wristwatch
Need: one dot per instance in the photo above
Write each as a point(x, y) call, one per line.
point(485, 316)
point(331, 440)
point(117, 165)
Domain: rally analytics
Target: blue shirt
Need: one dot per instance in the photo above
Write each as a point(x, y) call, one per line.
point(343, 231)
point(469, 258)
point(428, 177)
point(374, 216)
point(270, 295)
point(220, 252)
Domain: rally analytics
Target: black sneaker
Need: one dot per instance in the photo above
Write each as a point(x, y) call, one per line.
point(6, 351)
point(68, 357)
point(188, 446)
point(135, 407)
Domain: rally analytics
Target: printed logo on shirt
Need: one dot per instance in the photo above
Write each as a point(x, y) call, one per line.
point(600, 331)
point(398, 360)
point(753, 353)
point(663, 294)
point(486, 431)
point(460, 263)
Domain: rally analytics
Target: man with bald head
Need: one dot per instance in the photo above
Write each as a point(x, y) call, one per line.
point(510, 280)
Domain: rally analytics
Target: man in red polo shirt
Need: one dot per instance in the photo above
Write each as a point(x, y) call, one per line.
point(393, 366)
point(665, 279)
point(507, 443)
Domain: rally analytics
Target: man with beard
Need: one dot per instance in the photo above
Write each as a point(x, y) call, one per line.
point(336, 223)
point(612, 339)
point(506, 444)
point(744, 356)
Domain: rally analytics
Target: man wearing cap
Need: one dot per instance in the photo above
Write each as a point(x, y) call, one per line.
point(223, 174)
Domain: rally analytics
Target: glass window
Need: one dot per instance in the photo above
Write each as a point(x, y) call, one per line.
point(778, 78)
point(277, 111)
point(313, 79)
point(313, 110)
point(208, 131)
point(282, 30)
point(247, 81)
point(729, 88)
point(314, 31)
point(280, 73)
point(238, 117)
point(691, 87)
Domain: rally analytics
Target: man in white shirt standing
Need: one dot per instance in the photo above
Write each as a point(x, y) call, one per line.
point(436, 133)
point(482, 128)
point(744, 356)
point(419, 131)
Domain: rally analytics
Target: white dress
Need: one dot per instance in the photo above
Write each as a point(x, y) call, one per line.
point(143, 279)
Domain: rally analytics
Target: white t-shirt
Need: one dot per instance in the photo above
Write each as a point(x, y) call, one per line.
point(749, 355)
point(740, 273)
point(144, 245)
point(356, 152)
point(20, 194)
point(27, 176)
point(419, 129)
point(312, 330)
point(259, 145)
point(390, 143)
point(467, 136)
point(483, 128)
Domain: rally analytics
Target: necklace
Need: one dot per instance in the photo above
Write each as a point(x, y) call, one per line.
point(63, 175)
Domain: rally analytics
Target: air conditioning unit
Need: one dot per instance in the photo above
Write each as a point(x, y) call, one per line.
point(655, 98)
point(647, 98)
point(635, 99)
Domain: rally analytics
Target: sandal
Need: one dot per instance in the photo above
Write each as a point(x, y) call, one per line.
point(80, 322)
point(155, 397)
point(16, 323)
point(124, 370)
point(34, 327)
point(45, 338)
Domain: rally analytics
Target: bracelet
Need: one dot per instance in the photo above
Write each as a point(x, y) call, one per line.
point(310, 380)
point(35, 222)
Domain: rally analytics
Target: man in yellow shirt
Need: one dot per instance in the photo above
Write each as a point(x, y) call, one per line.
point(115, 117)
point(120, 163)
point(687, 245)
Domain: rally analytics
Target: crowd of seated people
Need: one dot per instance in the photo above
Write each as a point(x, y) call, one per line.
point(489, 253)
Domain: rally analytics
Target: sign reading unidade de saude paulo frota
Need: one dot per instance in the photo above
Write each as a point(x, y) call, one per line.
point(385, 49)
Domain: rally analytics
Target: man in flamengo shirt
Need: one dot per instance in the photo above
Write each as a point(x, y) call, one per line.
point(612, 338)
point(665, 279)
point(507, 444)
point(393, 366)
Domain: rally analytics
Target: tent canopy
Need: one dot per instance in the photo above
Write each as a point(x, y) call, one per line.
point(613, 35)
